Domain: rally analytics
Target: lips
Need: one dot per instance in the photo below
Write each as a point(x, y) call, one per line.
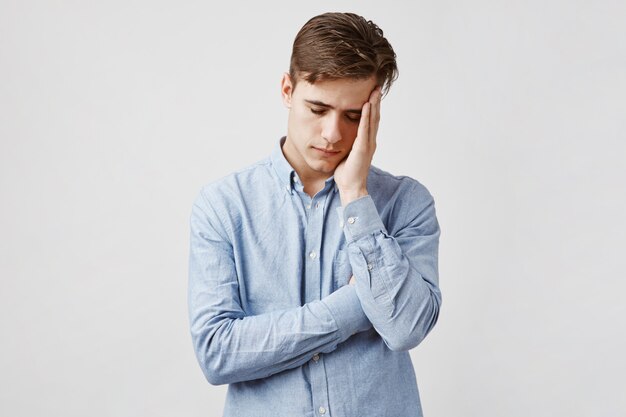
point(326, 152)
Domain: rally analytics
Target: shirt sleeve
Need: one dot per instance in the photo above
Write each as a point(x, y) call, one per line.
point(396, 276)
point(231, 346)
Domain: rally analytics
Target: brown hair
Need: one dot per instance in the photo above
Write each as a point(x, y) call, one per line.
point(342, 45)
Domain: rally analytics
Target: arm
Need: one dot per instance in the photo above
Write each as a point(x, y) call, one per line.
point(396, 276)
point(232, 347)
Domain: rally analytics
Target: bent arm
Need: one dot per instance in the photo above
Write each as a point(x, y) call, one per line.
point(232, 347)
point(396, 276)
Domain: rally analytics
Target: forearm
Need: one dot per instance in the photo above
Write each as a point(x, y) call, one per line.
point(396, 277)
point(231, 347)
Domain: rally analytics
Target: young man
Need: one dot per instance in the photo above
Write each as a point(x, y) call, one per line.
point(312, 273)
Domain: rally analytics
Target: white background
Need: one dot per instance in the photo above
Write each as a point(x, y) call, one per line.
point(113, 114)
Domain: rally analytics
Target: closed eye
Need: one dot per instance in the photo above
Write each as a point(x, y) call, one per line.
point(353, 117)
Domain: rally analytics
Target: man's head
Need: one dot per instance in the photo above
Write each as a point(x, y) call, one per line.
point(338, 59)
point(335, 46)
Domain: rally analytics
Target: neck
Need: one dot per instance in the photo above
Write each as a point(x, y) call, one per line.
point(313, 188)
point(312, 181)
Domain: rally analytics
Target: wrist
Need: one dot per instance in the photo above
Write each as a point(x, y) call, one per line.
point(348, 196)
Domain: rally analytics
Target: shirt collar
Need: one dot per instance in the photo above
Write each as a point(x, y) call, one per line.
point(282, 168)
point(286, 174)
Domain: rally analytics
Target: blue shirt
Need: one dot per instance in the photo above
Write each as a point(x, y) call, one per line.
point(270, 308)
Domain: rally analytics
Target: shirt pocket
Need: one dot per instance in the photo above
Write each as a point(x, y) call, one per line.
point(342, 270)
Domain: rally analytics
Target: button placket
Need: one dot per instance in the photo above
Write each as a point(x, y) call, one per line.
point(314, 288)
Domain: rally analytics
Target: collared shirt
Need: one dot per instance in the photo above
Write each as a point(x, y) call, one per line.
point(270, 308)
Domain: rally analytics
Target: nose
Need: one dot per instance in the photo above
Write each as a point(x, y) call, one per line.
point(331, 129)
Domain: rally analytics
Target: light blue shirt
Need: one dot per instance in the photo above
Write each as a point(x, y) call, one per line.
point(270, 308)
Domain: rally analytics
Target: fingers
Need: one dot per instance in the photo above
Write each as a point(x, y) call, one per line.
point(374, 101)
point(370, 117)
point(362, 134)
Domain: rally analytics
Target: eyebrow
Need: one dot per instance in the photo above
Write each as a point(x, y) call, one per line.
point(328, 106)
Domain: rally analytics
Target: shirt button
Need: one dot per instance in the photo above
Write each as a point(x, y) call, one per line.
point(322, 410)
point(313, 255)
point(351, 220)
point(316, 357)
point(317, 205)
point(370, 267)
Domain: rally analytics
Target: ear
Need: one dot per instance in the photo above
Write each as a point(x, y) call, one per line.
point(286, 89)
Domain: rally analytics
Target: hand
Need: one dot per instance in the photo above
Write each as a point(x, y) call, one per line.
point(351, 173)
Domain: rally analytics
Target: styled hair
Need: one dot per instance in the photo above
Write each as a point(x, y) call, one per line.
point(342, 45)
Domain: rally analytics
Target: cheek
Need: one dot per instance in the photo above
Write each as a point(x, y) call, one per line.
point(302, 125)
point(305, 119)
point(350, 132)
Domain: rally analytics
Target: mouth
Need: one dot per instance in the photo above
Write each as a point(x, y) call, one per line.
point(326, 152)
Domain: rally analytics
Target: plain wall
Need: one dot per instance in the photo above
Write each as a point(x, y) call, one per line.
point(114, 114)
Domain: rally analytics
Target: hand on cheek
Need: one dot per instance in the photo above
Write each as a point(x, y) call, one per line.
point(351, 173)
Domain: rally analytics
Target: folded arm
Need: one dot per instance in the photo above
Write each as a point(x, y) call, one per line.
point(231, 346)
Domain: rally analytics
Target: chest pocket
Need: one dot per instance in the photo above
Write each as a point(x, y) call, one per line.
point(342, 270)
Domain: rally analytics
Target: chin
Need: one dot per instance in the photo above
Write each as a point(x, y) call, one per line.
point(322, 166)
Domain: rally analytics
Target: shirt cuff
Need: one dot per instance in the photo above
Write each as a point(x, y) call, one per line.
point(345, 307)
point(360, 218)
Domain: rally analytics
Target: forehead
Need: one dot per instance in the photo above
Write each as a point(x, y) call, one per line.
point(344, 93)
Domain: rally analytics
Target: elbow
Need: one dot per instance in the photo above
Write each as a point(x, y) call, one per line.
point(399, 344)
point(408, 335)
point(215, 377)
point(212, 364)
point(403, 343)
point(215, 372)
